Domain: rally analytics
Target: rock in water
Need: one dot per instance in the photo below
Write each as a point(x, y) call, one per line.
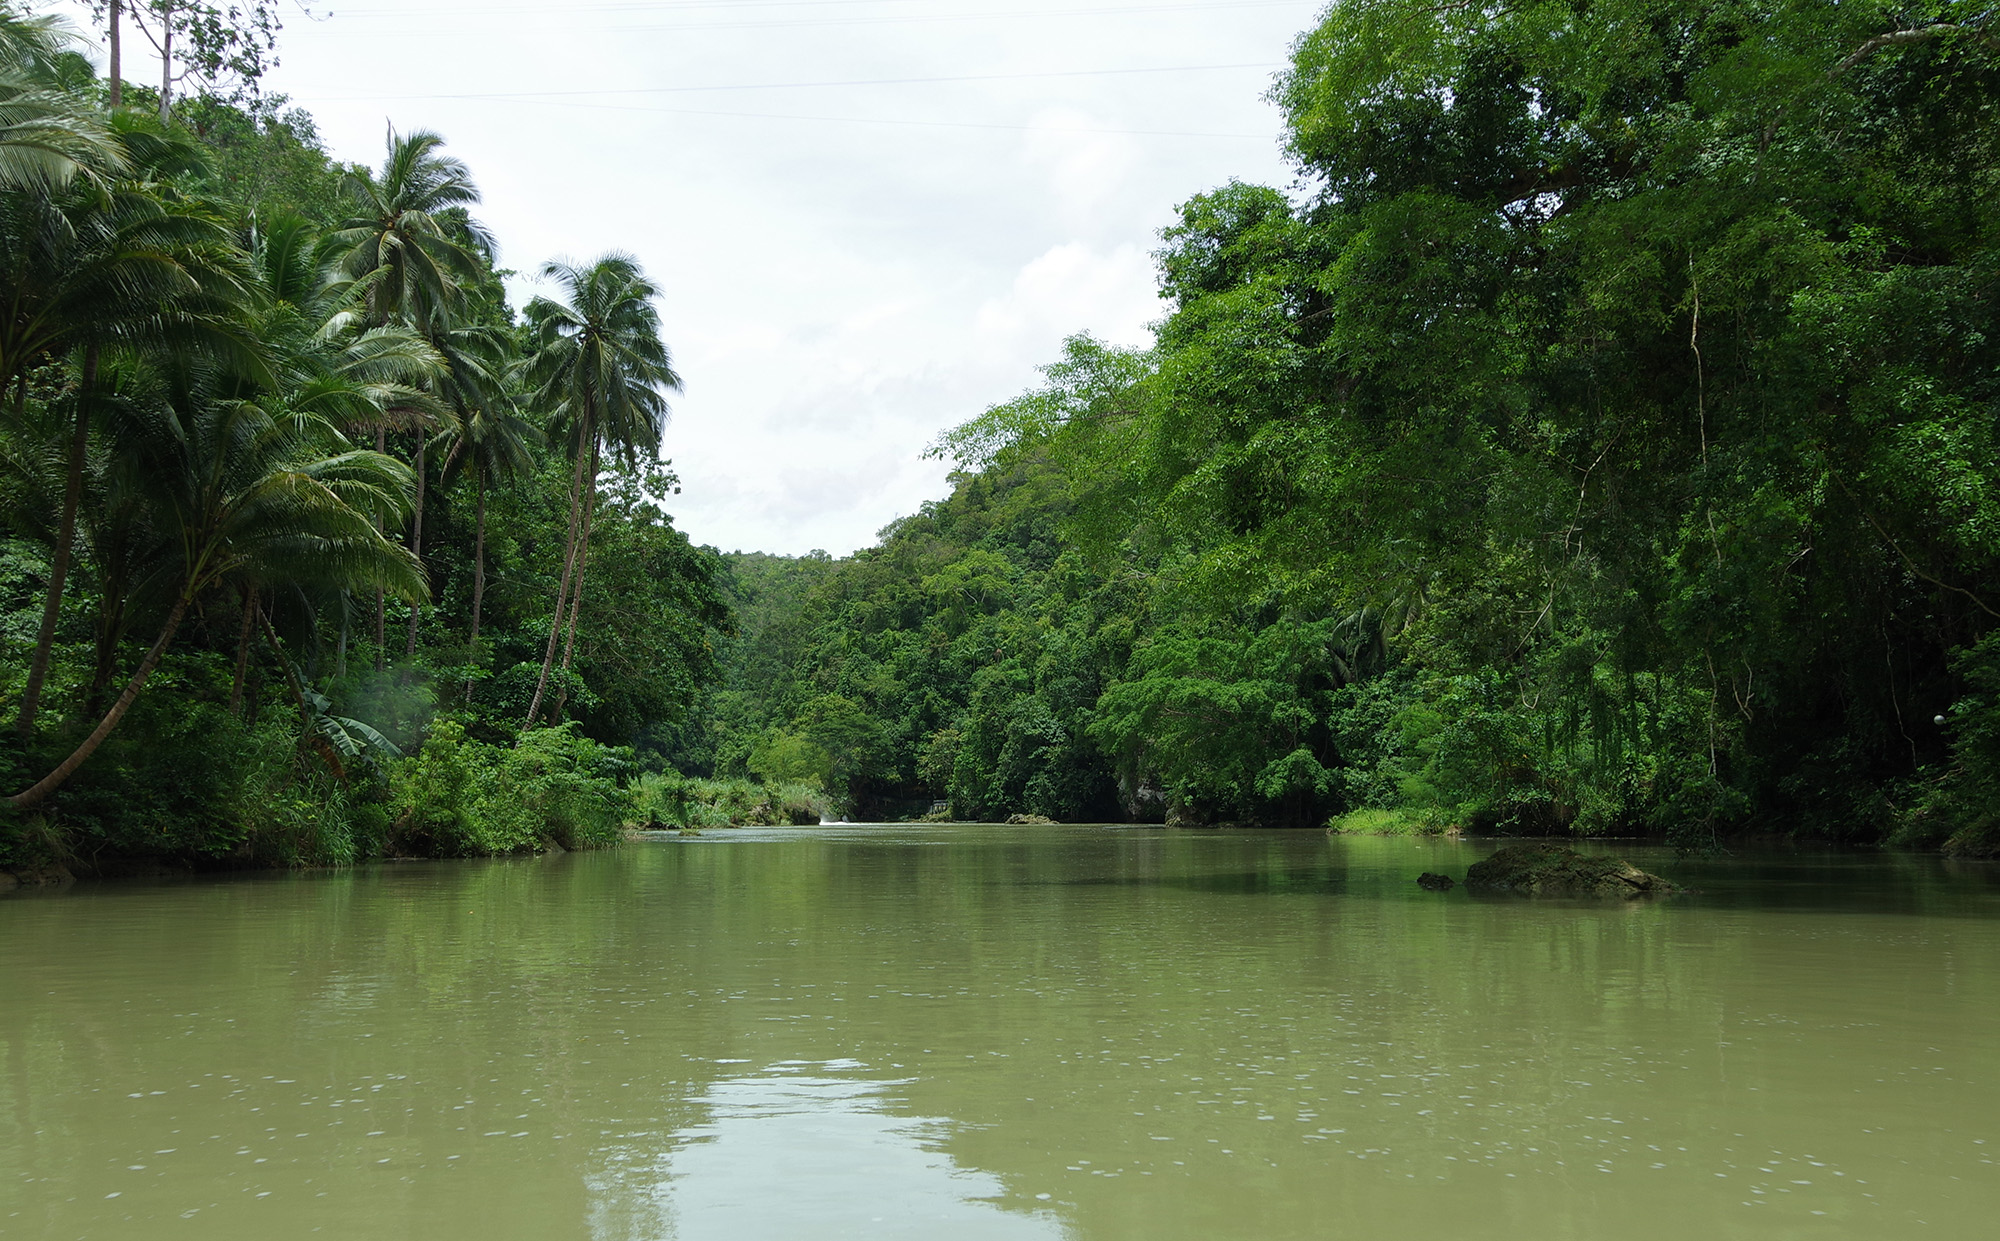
point(1552, 870)
point(1435, 883)
point(1030, 820)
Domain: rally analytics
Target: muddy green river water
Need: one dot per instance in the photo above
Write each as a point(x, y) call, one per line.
point(1003, 1032)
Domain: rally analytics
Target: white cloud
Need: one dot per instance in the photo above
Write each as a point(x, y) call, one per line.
point(836, 292)
point(1069, 288)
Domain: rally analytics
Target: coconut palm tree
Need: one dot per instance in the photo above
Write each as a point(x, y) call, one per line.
point(97, 267)
point(601, 373)
point(49, 133)
point(492, 443)
point(408, 248)
point(332, 369)
point(239, 492)
point(406, 253)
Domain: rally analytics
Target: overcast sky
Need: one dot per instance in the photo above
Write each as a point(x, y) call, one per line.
point(871, 218)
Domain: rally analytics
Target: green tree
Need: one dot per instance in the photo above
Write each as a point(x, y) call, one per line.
point(407, 250)
point(407, 254)
point(493, 445)
point(49, 135)
point(125, 266)
point(601, 373)
point(238, 491)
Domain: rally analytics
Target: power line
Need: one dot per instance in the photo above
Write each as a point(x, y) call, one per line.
point(523, 96)
point(871, 120)
point(794, 23)
point(570, 10)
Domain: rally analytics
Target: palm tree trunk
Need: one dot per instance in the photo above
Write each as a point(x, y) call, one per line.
point(116, 72)
point(381, 604)
point(562, 591)
point(478, 580)
point(38, 669)
point(417, 536)
point(576, 598)
point(243, 651)
point(291, 673)
point(41, 788)
point(110, 628)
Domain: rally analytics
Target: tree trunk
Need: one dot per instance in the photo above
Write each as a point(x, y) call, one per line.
point(111, 627)
point(562, 591)
point(417, 537)
point(381, 605)
point(340, 658)
point(166, 64)
point(243, 650)
point(291, 673)
point(35, 792)
point(478, 580)
point(576, 596)
point(38, 668)
point(116, 70)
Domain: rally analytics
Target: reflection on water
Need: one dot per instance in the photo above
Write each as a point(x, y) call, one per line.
point(1098, 1034)
point(782, 1154)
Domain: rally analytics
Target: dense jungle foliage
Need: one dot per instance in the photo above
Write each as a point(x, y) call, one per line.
point(1599, 437)
point(312, 548)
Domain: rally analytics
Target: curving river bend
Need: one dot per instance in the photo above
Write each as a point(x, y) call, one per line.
point(1003, 1032)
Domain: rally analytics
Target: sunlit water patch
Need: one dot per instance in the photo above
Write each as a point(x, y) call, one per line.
point(781, 1154)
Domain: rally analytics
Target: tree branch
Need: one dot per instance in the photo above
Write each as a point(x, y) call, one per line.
point(1900, 38)
point(1912, 566)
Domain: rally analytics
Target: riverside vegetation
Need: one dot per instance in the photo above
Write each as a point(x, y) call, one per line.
point(311, 548)
point(1599, 437)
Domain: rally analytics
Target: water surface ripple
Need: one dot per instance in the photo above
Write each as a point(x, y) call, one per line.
point(1009, 1033)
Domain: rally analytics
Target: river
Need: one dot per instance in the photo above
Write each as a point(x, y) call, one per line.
point(1003, 1032)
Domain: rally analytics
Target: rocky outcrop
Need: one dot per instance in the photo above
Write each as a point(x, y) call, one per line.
point(1553, 870)
point(1435, 883)
point(1030, 820)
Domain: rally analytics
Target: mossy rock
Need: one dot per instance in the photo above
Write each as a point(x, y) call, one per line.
point(1031, 820)
point(1552, 870)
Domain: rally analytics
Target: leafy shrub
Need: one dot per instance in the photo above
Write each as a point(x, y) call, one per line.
point(457, 797)
point(669, 799)
point(1375, 821)
point(1955, 808)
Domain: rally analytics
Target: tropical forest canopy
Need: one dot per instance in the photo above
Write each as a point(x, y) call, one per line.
point(1599, 436)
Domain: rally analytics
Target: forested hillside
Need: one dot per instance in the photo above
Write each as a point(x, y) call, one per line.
point(1600, 437)
point(312, 548)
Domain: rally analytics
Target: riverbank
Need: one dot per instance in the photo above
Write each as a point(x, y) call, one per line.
point(456, 796)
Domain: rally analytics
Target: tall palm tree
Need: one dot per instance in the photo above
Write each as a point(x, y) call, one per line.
point(406, 253)
point(408, 248)
point(49, 133)
point(332, 368)
point(238, 491)
point(123, 266)
point(601, 372)
point(493, 444)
